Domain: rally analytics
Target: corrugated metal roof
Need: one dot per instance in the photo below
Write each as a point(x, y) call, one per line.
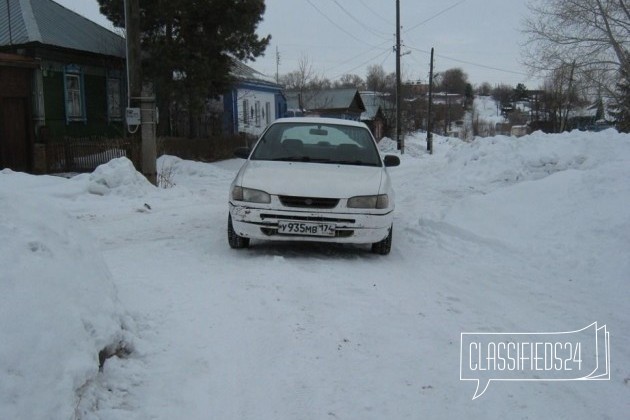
point(49, 23)
point(333, 99)
point(326, 99)
point(245, 73)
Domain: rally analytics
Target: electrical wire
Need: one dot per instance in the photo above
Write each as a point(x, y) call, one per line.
point(338, 26)
point(373, 31)
point(376, 14)
point(471, 63)
point(388, 51)
point(434, 16)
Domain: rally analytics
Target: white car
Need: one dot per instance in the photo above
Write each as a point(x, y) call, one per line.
point(313, 179)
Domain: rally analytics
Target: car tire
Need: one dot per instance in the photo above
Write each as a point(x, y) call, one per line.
point(385, 246)
point(235, 241)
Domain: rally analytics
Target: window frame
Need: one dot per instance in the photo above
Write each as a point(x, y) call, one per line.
point(73, 72)
point(112, 116)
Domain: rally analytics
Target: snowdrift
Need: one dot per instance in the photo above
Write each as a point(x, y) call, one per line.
point(58, 308)
point(120, 177)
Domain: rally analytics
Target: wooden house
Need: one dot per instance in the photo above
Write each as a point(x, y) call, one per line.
point(333, 103)
point(254, 101)
point(74, 70)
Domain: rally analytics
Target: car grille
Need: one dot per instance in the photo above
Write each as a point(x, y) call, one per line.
point(309, 202)
point(268, 216)
point(338, 233)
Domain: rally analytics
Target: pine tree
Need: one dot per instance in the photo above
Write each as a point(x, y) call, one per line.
point(621, 110)
point(188, 45)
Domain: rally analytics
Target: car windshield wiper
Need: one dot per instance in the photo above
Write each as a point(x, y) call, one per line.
point(292, 159)
point(353, 162)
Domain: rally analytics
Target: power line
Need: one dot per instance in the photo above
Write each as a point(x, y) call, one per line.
point(373, 31)
point(471, 63)
point(338, 26)
point(351, 59)
point(388, 52)
point(435, 15)
point(376, 14)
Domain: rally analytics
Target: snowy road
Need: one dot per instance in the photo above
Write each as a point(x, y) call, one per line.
point(497, 236)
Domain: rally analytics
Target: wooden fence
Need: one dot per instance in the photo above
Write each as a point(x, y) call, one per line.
point(72, 154)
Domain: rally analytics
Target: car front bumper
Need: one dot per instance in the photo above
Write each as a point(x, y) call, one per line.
point(351, 227)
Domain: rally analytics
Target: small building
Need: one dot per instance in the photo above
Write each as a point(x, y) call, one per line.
point(332, 103)
point(375, 115)
point(254, 101)
point(519, 130)
point(76, 76)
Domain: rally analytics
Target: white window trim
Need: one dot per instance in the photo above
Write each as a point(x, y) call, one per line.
point(74, 72)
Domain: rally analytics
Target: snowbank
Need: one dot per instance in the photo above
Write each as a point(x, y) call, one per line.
point(58, 309)
point(502, 159)
point(499, 234)
point(119, 177)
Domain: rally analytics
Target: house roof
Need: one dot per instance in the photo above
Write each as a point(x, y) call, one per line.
point(373, 102)
point(327, 99)
point(49, 23)
point(245, 73)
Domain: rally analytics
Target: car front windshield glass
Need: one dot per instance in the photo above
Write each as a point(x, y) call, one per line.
point(319, 143)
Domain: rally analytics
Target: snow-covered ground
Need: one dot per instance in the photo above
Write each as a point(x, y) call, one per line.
point(486, 109)
point(496, 235)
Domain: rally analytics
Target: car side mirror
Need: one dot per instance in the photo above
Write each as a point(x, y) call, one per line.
point(242, 152)
point(391, 160)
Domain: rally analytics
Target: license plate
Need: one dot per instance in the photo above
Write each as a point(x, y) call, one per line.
point(304, 228)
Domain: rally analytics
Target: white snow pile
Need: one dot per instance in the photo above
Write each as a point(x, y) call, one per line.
point(175, 165)
point(551, 196)
point(503, 159)
point(119, 177)
point(499, 234)
point(58, 309)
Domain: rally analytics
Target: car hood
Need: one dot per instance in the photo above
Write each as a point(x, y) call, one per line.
point(311, 179)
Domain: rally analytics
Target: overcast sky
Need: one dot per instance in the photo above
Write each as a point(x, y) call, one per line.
point(482, 37)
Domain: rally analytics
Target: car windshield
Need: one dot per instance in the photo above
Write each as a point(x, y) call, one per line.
point(317, 142)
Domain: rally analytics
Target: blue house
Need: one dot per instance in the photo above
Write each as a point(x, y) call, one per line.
point(254, 101)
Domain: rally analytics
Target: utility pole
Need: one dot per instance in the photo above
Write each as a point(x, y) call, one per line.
point(399, 140)
point(430, 117)
point(140, 96)
point(277, 65)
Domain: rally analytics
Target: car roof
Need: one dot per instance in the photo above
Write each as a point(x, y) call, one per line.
point(320, 120)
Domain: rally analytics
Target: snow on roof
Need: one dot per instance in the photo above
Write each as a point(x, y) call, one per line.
point(245, 73)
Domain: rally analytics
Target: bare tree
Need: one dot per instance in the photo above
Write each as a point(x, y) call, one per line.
point(453, 81)
point(593, 34)
point(485, 89)
point(350, 81)
point(299, 79)
point(377, 80)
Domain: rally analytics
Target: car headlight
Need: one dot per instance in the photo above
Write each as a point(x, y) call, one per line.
point(369, 202)
point(250, 195)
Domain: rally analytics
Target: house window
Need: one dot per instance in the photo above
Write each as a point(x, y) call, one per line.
point(74, 94)
point(267, 113)
point(74, 105)
point(114, 110)
point(257, 113)
point(246, 112)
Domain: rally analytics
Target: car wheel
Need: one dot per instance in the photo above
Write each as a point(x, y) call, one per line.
point(235, 241)
point(383, 247)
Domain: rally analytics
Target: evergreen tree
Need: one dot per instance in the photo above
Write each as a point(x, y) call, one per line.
point(188, 45)
point(520, 92)
point(469, 93)
point(621, 110)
